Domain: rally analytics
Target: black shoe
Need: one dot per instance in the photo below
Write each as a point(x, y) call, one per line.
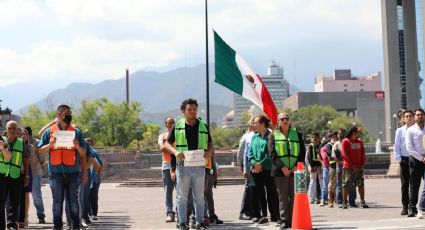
point(201, 227)
point(94, 218)
point(353, 205)
point(255, 219)
point(411, 213)
point(404, 211)
point(183, 227)
point(41, 221)
point(88, 221)
point(285, 226)
point(263, 221)
point(244, 217)
point(214, 220)
point(274, 219)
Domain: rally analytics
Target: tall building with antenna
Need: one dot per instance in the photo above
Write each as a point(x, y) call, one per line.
point(276, 84)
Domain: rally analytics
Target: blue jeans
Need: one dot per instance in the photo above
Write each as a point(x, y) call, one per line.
point(190, 177)
point(84, 197)
point(169, 188)
point(94, 198)
point(65, 185)
point(37, 196)
point(338, 190)
point(312, 187)
point(325, 184)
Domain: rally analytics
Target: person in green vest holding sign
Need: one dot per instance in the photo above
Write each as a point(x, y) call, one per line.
point(286, 148)
point(192, 139)
point(14, 157)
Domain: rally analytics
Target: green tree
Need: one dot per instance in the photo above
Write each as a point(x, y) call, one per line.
point(120, 123)
point(36, 118)
point(313, 118)
point(226, 138)
point(343, 122)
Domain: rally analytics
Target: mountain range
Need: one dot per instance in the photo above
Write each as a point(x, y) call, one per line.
point(159, 93)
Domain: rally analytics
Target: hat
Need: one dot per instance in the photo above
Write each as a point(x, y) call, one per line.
point(29, 130)
point(352, 130)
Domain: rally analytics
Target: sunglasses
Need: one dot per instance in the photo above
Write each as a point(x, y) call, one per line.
point(284, 119)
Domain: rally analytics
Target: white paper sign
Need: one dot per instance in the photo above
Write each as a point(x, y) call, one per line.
point(64, 138)
point(194, 158)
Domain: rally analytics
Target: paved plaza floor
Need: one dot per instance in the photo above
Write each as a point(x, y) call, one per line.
point(143, 208)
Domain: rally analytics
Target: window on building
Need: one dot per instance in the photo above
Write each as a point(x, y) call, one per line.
point(345, 90)
point(361, 90)
point(361, 84)
point(345, 85)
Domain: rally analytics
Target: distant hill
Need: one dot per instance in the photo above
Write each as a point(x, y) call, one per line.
point(159, 93)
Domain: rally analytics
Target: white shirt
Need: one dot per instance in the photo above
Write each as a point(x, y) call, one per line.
point(400, 149)
point(248, 139)
point(414, 142)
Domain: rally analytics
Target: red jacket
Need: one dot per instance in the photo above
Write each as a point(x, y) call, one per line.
point(325, 158)
point(353, 153)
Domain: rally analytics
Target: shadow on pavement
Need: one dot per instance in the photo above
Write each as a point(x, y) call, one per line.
point(229, 225)
point(106, 220)
point(110, 221)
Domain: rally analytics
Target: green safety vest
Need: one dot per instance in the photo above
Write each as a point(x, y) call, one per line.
point(314, 157)
point(180, 135)
point(281, 147)
point(13, 167)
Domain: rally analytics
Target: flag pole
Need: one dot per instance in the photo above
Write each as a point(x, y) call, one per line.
point(207, 62)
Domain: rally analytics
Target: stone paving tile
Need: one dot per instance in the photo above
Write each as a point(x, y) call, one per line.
point(143, 208)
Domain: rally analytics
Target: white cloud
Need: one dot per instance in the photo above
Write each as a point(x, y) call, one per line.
point(246, 24)
point(85, 58)
point(12, 12)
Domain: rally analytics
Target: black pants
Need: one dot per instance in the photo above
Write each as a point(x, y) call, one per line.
point(22, 201)
point(9, 188)
point(405, 178)
point(246, 204)
point(416, 174)
point(263, 181)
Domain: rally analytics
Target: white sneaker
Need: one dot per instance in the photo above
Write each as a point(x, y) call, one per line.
point(322, 203)
point(420, 215)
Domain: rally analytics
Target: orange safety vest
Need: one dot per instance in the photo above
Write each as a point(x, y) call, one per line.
point(62, 155)
point(166, 156)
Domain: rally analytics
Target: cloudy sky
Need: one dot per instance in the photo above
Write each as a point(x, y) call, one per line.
point(51, 43)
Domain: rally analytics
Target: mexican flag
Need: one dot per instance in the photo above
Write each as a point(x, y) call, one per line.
point(232, 72)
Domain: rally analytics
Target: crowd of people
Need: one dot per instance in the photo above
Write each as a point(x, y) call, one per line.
point(268, 159)
point(73, 171)
point(410, 153)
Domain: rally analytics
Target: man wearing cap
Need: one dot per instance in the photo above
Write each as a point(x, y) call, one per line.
point(414, 145)
point(354, 159)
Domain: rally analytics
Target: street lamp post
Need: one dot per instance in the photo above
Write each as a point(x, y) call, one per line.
point(395, 121)
point(5, 116)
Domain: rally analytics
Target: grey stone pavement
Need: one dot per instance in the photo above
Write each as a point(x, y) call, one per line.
point(143, 208)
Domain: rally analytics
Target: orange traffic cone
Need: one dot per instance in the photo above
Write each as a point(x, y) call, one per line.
point(301, 218)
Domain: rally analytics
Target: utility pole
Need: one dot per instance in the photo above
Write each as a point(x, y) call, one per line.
point(207, 63)
point(127, 86)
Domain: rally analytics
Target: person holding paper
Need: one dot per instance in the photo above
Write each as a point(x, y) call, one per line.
point(64, 164)
point(193, 140)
